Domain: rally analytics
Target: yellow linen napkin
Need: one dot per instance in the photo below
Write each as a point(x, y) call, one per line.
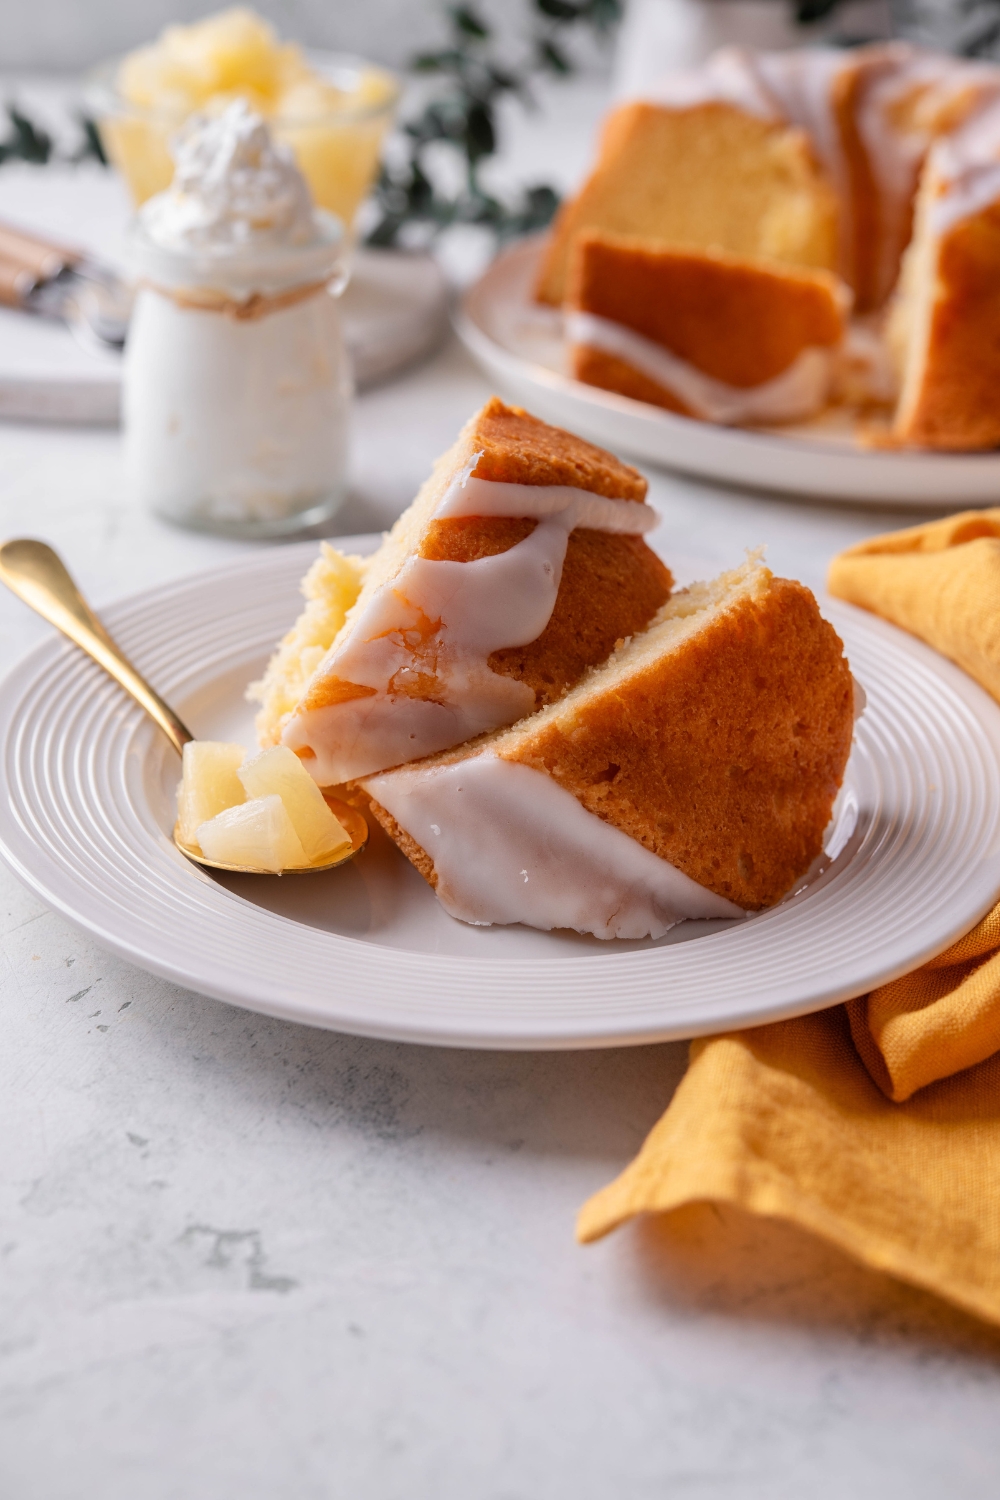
point(940, 581)
point(787, 1121)
point(875, 1124)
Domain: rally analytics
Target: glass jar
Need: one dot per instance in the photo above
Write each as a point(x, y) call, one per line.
point(237, 385)
point(337, 150)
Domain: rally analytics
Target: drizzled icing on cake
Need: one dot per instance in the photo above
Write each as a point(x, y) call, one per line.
point(799, 88)
point(510, 845)
point(963, 176)
point(797, 392)
point(729, 76)
point(416, 654)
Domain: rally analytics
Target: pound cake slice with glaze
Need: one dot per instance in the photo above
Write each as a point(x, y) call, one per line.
point(703, 333)
point(519, 565)
point(944, 326)
point(707, 161)
point(693, 775)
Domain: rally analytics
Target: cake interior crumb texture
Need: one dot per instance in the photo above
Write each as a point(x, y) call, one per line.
point(715, 176)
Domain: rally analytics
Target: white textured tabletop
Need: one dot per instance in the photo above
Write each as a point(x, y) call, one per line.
point(244, 1258)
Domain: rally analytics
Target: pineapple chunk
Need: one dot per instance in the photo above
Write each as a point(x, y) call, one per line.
point(209, 784)
point(258, 833)
point(278, 771)
point(232, 51)
point(336, 134)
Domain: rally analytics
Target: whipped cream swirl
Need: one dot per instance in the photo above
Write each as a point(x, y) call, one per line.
point(234, 187)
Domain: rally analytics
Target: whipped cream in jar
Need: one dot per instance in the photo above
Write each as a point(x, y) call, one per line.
point(237, 385)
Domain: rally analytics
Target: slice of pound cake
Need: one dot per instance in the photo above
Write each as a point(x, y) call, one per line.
point(707, 160)
point(519, 565)
point(702, 332)
point(693, 775)
point(944, 325)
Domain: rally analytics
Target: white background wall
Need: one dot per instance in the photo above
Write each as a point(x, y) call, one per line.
point(66, 35)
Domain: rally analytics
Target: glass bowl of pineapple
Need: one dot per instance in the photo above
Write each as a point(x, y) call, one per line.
point(332, 110)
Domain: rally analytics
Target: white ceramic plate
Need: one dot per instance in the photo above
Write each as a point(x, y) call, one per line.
point(520, 347)
point(89, 805)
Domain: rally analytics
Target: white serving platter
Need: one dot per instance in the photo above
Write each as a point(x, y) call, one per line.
point(519, 345)
point(87, 806)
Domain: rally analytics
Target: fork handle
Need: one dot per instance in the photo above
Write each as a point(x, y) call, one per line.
point(36, 574)
point(41, 257)
point(16, 281)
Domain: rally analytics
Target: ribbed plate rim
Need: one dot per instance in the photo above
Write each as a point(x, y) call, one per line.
point(751, 459)
point(602, 999)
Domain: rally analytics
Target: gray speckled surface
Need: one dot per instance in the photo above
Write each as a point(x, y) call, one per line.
point(243, 1258)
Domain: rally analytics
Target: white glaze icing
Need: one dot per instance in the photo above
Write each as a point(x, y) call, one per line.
point(865, 370)
point(441, 621)
point(797, 392)
point(469, 496)
point(511, 845)
point(860, 698)
point(964, 170)
point(797, 87)
point(729, 76)
point(800, 82)
point(896, 142)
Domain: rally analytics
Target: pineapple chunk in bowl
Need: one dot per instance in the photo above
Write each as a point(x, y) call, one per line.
point(333, 111)
point(261, 812)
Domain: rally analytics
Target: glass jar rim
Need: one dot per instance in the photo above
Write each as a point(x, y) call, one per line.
point(243, 269)
point(102, 95)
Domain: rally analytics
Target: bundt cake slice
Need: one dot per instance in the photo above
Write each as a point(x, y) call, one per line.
point(692, 775)
point(710, 162)
point(703, 333)
point(518, 566)
point(944, 328)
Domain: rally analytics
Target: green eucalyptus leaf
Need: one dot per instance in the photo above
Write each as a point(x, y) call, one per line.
point(558, 10)
point(466, 21)
point(550, 58)
point(462, 118)
point(27, 141)
point(92, 147)
point(480, 137)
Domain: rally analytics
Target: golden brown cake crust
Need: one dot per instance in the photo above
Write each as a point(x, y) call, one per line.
point(520, 449)
point(417, 856)
point(608, 373)
point(955, 402)
point(723, 757)
point(861, 240)
point(630, 581)
point(739, 321)
point(468, 538)
point(612, 584)
point(620, 571)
